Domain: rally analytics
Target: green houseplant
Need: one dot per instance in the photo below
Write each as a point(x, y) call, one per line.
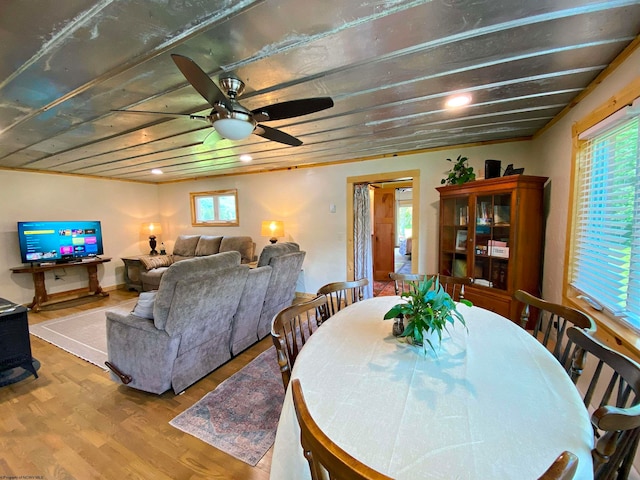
point(429, 308)
point(460, 173)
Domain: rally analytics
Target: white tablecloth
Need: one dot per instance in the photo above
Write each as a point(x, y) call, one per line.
point(493, 405)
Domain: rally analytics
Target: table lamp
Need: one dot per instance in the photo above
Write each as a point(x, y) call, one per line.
point(273, 229)
point(152, 229)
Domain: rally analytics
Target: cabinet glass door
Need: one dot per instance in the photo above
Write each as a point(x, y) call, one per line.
point(453, 241)
point(492, 237)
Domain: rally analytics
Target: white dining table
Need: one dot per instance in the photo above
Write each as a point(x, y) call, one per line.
point(493, 404)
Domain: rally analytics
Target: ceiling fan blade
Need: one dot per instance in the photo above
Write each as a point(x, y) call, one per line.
point(293, 108)
point(200, 80)
point(276, 135)
point(146, 112)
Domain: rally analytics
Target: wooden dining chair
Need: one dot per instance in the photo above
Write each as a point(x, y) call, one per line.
point(341, 294)
point(551, 324)
point(324, 456)
point(563, 468)
point(404, 282)
point(290, 330)
point(454, 286)
point(614, 380)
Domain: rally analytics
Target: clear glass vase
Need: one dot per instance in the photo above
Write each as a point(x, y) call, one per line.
point(398, 326)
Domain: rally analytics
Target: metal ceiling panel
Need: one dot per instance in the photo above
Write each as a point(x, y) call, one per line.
point(389, 67)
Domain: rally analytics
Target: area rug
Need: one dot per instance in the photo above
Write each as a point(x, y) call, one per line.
point(241, 415)
point(82, 334)
point(385, 289)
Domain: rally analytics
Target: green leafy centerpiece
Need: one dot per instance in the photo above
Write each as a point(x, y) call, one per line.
point(428, 309)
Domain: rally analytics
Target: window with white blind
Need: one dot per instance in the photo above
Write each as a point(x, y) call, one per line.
point(605, 253)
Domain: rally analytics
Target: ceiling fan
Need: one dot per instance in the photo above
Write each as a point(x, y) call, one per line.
point(229, 118)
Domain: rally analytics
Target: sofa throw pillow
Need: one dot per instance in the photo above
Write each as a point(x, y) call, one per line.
point(155, 261)
point(244, 245)
point(185, 245)
point(208, 245)
point(144, 307)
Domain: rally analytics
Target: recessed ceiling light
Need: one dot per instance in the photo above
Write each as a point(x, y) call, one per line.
point(458, 101)
point(246, 158)
point(156, 171)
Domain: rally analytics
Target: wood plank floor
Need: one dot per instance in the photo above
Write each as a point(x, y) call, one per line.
point(74, 422)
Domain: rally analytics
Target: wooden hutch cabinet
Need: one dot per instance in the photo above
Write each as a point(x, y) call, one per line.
point(492, 231)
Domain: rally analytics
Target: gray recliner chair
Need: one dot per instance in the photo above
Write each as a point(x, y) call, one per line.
point(190, 332)
point(286, 261)
point(247, 316)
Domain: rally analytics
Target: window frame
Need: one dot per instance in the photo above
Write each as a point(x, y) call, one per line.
point(624, 332)
point(215, 197)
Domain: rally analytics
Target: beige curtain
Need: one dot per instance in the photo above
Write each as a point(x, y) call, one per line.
point(362, 255)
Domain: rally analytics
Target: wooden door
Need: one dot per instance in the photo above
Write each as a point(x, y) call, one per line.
point(384, 201)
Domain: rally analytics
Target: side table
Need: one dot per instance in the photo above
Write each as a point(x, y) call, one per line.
point(132, 268)
point(15, 344)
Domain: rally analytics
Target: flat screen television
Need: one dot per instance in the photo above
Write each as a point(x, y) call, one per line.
point(59, 242)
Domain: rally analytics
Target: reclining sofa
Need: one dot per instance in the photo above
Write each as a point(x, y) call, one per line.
point(190, 246)
point(206, 310)
point(261, 301)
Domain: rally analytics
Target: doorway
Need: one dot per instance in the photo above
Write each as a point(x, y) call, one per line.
point(392, 228)
point(384, 238)
point(404, 229)
point(410, 179)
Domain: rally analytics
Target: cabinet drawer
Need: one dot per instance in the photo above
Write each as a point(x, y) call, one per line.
point(485, 299)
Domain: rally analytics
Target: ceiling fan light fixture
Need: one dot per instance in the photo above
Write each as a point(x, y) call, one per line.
point(233, 128)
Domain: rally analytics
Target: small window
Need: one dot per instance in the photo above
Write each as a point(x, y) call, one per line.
point(214, 208)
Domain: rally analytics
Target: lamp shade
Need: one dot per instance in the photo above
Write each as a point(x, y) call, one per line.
point(233, 128)
point(151, 228)
point(273, 229)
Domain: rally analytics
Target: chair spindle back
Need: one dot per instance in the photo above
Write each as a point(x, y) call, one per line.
point(552, 323)
point(611, 388)
point(290, 330)
point(341, 294)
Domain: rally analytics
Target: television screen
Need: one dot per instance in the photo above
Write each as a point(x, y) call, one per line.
point(59, 241)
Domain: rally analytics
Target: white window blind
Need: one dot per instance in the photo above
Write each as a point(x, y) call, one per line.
point(606, 235)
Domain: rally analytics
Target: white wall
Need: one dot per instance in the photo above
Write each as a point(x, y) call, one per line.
point(120, 206)
point(302, 197)
point(553, 149)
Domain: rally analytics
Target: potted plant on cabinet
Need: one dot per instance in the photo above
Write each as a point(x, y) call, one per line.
point(428, 311)
point(460, 173)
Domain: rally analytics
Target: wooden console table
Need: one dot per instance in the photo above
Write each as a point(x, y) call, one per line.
point(42, 298)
